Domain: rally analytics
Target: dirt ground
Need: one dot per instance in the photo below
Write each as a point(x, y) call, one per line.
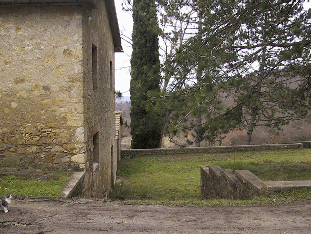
point(47, 215)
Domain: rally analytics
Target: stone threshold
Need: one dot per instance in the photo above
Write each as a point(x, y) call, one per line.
point(75, 182)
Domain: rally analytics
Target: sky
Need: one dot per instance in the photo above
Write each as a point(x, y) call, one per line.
point(123, 76)
point(125, 21)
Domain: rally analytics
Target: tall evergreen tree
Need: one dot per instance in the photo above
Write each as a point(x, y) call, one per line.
point(146, 127)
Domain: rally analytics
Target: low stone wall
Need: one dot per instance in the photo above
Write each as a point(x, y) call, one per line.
point(217, 149)
point(229, 184)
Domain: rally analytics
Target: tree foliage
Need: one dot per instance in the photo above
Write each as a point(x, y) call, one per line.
point(234, 64)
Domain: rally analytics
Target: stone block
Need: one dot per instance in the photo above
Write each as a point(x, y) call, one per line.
point(57, 148)
point(49, 158)
point(21, 150)
point(33, 149)
point(69, 147)
point(80, 134)
point(60, 159)
point(74, 120)
point(46, 140)
point(78, 158)
point(31, 142)
point(10, 161)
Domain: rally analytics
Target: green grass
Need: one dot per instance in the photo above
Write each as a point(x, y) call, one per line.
point(175, 179)
point(29, 187)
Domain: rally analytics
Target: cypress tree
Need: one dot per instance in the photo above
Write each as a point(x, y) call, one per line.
point(145, 73)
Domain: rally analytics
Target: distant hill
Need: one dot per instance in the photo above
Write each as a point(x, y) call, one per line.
point(299, 130)
point(123, 99)
point(124, 105)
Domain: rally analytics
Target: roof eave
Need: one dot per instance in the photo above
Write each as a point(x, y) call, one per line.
point(114, 26)
point(88, 3)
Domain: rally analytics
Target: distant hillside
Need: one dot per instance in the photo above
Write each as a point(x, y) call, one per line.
point(299, 130)
point(123, 99)
point(125, 107)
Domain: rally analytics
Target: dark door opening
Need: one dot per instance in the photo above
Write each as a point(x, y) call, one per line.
point(95, 151)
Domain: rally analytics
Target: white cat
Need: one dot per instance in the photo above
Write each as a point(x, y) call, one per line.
point(5, 201)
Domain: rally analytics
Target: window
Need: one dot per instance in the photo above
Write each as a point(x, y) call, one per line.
point(112, 167)
point(96, 147)
point(94, 67)
point(111, 80)
point(95, 151)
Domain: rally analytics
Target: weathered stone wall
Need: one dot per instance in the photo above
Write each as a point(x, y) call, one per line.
point(52, 105)
point(41, 89)
point(99, 103)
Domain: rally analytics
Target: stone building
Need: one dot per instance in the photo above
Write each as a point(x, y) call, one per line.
point(57, 87)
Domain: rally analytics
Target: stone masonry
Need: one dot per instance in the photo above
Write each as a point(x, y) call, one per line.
point(41, 86)
point(57, 87)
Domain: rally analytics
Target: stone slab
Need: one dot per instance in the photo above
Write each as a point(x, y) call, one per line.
point(229, 173)
point(248, 177)
point(217, 170)
point(274, 186)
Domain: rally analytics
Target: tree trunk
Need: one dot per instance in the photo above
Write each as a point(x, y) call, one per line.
point(252, 124)
point(258, 87)
point(197, 140)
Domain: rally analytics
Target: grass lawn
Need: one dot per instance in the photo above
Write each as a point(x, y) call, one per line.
point(175, 179)
point(47, 186)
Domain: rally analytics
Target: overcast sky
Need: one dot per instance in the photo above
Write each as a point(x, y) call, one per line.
point(123, 59)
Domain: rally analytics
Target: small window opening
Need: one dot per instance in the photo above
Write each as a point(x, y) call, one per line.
point(112, 167)
point(111, 76)
point(94, 67)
